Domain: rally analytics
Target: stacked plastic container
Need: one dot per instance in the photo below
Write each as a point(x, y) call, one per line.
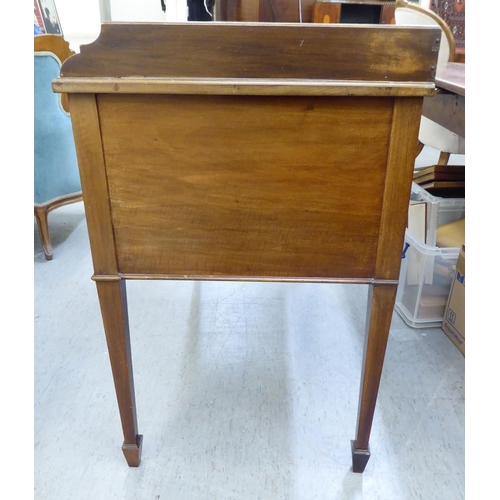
point(427, 270)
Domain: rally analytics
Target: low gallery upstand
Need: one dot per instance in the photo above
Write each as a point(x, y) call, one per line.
point(233, 151)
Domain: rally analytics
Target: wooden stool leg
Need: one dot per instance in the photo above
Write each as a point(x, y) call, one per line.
point(380, 309)
point(42, 221)
point(443, 158)
point(113, 301)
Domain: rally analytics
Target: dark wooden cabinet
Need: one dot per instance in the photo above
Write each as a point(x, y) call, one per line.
point(265, 11)
point(354, 11)
point(306, 11)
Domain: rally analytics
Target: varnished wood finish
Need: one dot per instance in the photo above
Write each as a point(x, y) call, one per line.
point(326, 12)
point(381, 301)
point(233, 208)
point(437, 19)
point(55, 44)
point(265, 11)
point(237, 10)
point(42, 219)
point(420, 147)
point(244, 185)
point(447, 107)
point(286, 11)
point(86, 130)
point(402, 151)
point(113, 301)
point(132, 452)
point(387, 14)
point(451, 76)
point(446, 111)
point(239, 86)
point(359, 457)
point(258, 50)
point(331, 11)
point(112, 292)
point(60, 48)
point(268, 279)
point(443, 158)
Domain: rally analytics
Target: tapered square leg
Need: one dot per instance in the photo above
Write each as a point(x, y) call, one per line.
point(359, 458)
point(113, 302)
point(133, 452)
point(381, 301)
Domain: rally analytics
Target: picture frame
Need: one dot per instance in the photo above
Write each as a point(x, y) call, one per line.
point(46, 18)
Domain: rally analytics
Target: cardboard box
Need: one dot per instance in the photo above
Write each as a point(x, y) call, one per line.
point(454, 316)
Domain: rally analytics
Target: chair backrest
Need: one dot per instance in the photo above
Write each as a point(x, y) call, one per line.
point(55, 163)
point(407, 14)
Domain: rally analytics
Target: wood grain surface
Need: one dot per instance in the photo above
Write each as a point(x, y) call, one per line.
point(294, 186)
point(253, 186)
point(259, 50)
point(91, 165)
point(239, 86)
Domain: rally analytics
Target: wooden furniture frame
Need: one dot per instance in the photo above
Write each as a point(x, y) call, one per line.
point(403, 4)
point(57, 45)
point(330, 11)
point(264, 11)
point(41, 212)
point(234, 151)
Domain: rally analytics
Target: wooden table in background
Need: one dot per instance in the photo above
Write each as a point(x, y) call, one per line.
point(447, 106)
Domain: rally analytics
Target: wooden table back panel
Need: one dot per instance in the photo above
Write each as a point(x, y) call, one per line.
point(259, 50)
point(246, 185)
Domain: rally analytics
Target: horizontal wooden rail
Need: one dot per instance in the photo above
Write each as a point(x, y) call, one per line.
point(268, 279)
point(240, 86)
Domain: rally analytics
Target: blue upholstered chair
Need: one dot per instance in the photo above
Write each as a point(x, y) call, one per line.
point(56, 177)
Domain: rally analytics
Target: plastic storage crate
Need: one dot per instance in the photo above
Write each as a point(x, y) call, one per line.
point(441, 210)
point(426, 270)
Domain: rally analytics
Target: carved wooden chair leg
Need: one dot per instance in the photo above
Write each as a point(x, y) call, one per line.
point(42, 221)
point(113, 301)
point(381, 301)
point(443, 158)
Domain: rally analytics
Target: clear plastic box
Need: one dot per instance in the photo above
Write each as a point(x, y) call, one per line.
point(426, 270)
point(441, 210)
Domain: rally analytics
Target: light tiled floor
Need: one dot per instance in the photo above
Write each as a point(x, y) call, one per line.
point(244, 391)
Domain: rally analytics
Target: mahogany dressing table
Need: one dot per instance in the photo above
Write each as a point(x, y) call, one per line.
point(233, 151)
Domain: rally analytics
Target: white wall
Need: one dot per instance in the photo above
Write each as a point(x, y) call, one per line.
point(177, 10)
point(148, 10)
point(79, 25)
point(83, 25)
point(76, 20)
point(132, 10)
